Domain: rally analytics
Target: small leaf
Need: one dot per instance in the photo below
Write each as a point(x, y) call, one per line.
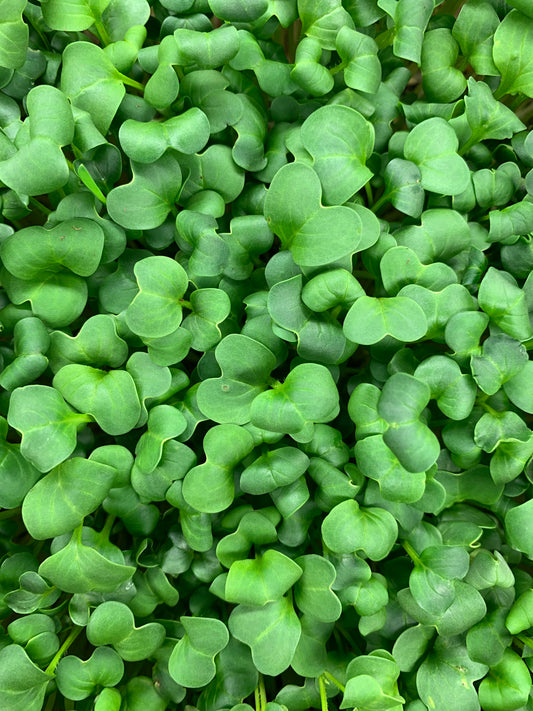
point(156, 310)
point(191, 662)
point(432, 146)
point(264, 579)
point(272, 632)
point(59, 501)
point(47, 424)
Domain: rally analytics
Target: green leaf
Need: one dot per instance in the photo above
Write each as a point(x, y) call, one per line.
point(146, 201)
point(75, 245)
point(13, 34)
point(370, 319)
point(209, 487)
point(246, 365)
point(454, 392)
point(313, 594)
point(264, 579)
point(340, 140)
point(518, 525)
point(446, 677)
point(86, 564)
point(323, 21)
point(348, 528)
point(377, 461)
point(47, 424)
point(56, 298)
point(112, 622)
point(410, 22)
point(520, 616)
point(519, 388)
point(403, 186)
point(276, 468)
point(487, 117)
point(22, 684)
point(17, 474)
point(500, 360)
point(210, 308)
point(77, 679)
point(474, 30)
point(294, 212)
point(507, 684)
point(119, 16)
point(72, 15)
point(441, 80)
point(272, 632)
point(156, 310)
point(513, 51)
point(505, 303)
point(432, 146)
point(109, 397)
point(59, 501)
point(99, 89)
point(146, 142)
point(191, 662)
point(359, 53)
point(97, 343)
point(307, 395)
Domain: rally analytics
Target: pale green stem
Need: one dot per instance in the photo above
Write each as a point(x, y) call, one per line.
point(323, 694)
point(262, 692)
point(45, 210)
point(411, 552)
point(50, 669)
point(379, 203)
point(334, 681)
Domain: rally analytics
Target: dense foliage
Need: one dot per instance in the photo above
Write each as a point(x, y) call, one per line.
point(266, 393)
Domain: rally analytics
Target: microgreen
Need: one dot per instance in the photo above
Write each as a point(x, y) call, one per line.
point(265, 385)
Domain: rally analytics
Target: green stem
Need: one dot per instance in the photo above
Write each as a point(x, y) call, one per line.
point(411, 553)
point(262, 692)
point(337, 69)
point(468, 145)
point(379, 203)
point(108, 525)
point(102, 32)
point(369, 196)
point(323, 694)
point(131, 82)
point(186, 304)
point(257, 699)
point(515, 103)
point(50, 669)
point(525, 640)
point(50, 705)
point(10, 513)
point(45, 210)
point(334, 681)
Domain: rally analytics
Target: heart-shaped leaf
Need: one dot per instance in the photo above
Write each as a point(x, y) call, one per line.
point(349, 527)
point(191, 662)
point(262, 580)
point(47, 424)
point(370, 319)
point(432, 146)
point(76, 679)
point(272, 632)
point(307, 395)
point(75, 245)
point(145, 202)
point(59, 501)
point(294, 212)
point(109, 397)
point(340, 140)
